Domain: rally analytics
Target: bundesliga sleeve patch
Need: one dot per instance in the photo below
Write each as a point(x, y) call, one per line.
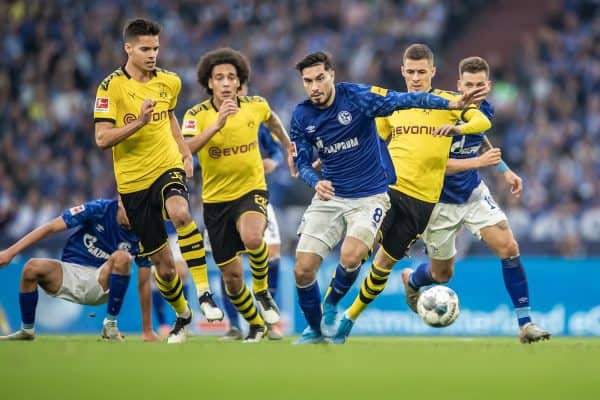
point(101, 104)
point(189, 125)
point(379, 90)
point(77, 209)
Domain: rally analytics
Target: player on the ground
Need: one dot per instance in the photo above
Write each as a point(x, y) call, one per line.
point(419, 144)
point(134, 115)
point(225, 129)
point(94, 268)
point(351, 196)
point(272, 157)
point(466, 201)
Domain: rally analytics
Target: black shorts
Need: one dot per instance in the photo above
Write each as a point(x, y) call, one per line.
point(146, 209)
point(404, 223)
point(221, 221)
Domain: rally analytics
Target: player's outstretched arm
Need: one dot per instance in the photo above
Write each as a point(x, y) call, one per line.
point(56, 225)
point(107, 135)
point(475, 122)
point(186, 155)
point(489, 157)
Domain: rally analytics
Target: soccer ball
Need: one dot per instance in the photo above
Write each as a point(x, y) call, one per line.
point(438, 306)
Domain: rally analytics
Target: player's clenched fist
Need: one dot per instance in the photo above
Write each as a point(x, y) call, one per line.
point(490, 157)
point(229, 107)
point(325, 190)
point(5, 258)
point(146, 111)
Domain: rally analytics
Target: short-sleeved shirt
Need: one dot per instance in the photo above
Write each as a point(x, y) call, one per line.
point(231, 162)
point(144, 156)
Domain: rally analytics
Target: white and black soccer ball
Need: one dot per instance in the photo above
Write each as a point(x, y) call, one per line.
point(438, 306)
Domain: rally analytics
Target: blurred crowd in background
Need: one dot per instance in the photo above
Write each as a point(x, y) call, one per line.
point(56, 52)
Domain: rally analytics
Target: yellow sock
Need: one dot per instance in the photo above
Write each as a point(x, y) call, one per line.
point(244, 303)
point(172, 292)
point(259, 265)
point(373, 284)
point(192, 249)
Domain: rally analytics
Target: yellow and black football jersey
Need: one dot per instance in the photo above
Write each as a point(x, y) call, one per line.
point(420, 158)
point(144, 156)
point(231, 162)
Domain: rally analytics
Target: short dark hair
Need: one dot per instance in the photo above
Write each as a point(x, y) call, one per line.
point(224, 55)
point(418, 51)
point(473, 64)
point(140, 27)
point(316, 58)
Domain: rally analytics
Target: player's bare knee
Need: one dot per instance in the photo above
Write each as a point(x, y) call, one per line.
point(352, 259)
point(442, 276)
point(252, 240)
point(31, 270)
point(180, 217)
point(233, 281)
point(121, 262)
point(304, 273)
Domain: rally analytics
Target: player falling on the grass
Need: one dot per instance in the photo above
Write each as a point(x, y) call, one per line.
point(94, 268)
point(234, 191)
point(466, 201)
point(351, 197)
point(272, 156)
point(419, 144)
point(134, 115)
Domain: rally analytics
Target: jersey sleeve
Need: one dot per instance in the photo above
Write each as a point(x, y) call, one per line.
point(379, 102)
point(265, 109)
point(475, 122)
point(85, 212)
point(269, 144)
point(302, 152)
point(384, 129)
point(176, 90)
point(105, 106)
point(190, 125)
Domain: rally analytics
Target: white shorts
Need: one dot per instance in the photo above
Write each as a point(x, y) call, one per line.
point(80, 285)
point(272, 236)
point(330, 221)
point(478, 212)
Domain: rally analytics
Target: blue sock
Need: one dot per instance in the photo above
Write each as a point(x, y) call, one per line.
point(309, 299)
point(28, 302)
point(273, 276)
point(158, 303)
point(515, 282)
point(117, 286)
point(230, 310)
point(421, 276)
point(340, 284)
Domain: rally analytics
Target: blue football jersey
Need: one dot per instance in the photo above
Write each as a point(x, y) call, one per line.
point(344, 134)
point(98, 235)
point(458, 187)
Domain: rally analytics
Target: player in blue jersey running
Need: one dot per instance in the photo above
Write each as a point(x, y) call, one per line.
point(94, 268)
point(466, 201)
point(351, 195)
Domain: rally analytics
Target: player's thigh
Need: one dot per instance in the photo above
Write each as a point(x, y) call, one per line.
point(272, 235)
point(483, 211)
point(81, 285)
point(251, 215)
point(408, 218)
point(365, 216)
point(225, 241)
point(47, 272)
point(322, 226)
point(440, 234)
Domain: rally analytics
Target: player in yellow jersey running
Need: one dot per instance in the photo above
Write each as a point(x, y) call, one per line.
point(134, 115)
point(225, 135)
point(419, 144)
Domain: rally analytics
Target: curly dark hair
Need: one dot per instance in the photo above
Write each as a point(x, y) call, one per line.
point(140, 27)
point(224, 55)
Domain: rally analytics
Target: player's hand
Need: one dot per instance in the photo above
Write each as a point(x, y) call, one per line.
point(228, 107)
point(515, 182)
point(269, 165)
point(5, 258)
point(188, 166)
point(317, 164)
point(325, 190)
point(447, 130)
point(146, 111)
point(490, 157)
point(475, 96)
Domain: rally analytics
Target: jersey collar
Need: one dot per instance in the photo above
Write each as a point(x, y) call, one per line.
point(237, 98)
point(129, 76)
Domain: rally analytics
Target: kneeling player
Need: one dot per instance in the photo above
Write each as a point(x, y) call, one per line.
point(94, 269)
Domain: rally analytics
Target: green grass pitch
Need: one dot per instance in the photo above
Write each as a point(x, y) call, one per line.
point(83, 368)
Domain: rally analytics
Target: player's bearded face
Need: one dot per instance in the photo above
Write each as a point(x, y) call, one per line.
point(319, 84)
point(473, 80)
point(143, 52)
point(418, 75)
point(224, 82)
